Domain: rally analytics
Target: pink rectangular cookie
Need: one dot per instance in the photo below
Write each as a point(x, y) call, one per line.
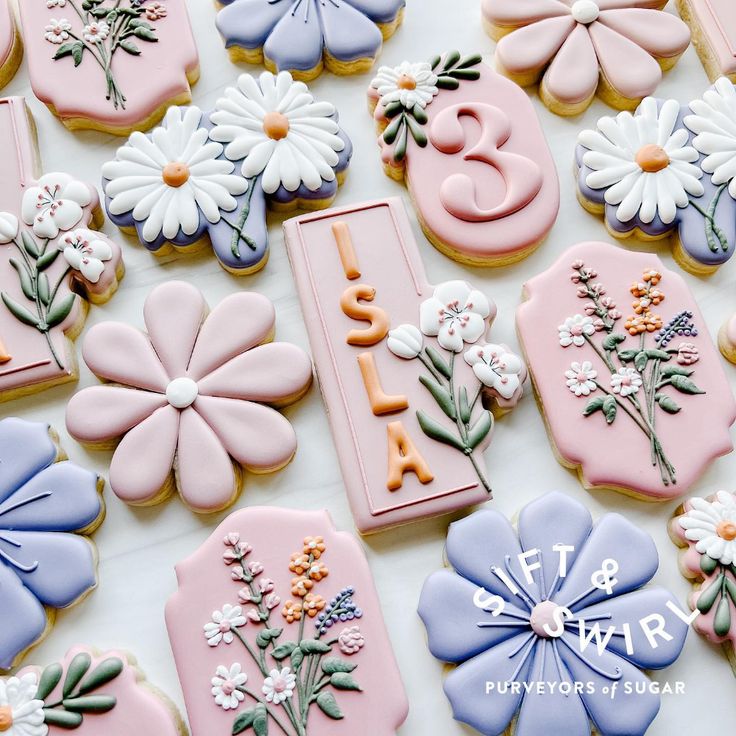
point(713, 24)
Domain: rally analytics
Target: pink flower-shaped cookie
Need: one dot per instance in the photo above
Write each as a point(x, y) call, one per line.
point(187, 398)
point(575, 44)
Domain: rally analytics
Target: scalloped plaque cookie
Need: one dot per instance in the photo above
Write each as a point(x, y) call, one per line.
point(631, 387)
point(405, 370)
point(552, 624)
point(51, 263)
point(11, 47)
point(668, 171)
point(89, 693)
point(48, 506)
point(706, 530)
point(577, 48)
point(305, 36)
point(110, 65)
point(470, 148)
point(211, 175)
point(277, 627)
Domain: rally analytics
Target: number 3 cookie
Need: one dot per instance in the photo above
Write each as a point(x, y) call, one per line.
point(471, 150)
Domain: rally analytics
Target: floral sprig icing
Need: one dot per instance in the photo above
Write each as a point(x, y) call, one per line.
point(406, 90)
point(105, 26)
point(639, 375)
point(298, 672)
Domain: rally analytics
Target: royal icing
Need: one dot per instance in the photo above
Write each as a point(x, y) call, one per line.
point(302, 36)
point(404, 368)
point(11, 49)
point(88, 693)
point(111, 65)
point(50, 262)
point(45, 507)
point(471, 150)
point(191, 397)
point(614, 344)
point(715, 21)
point(706, 528)
point(617, 47)
point(668, 169)
point(560, 601)
point(276, 627)
point(212, 174)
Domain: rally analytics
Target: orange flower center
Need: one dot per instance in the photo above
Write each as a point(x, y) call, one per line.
point(275, 125)
point(726, 530)
point(175, 174)
point(406, 82)
point(6, 718)
point(652, 158)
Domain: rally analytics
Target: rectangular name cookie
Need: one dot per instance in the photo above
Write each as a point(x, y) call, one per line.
point(403, 369)
point(713, 25)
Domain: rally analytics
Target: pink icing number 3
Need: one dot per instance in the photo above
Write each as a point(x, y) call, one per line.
point(522, 176)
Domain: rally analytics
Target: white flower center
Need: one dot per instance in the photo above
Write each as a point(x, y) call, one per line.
point(182, 392)
point(585, 11)
point(544, 614)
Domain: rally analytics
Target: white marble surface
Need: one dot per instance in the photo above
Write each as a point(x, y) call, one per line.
point(138, 548)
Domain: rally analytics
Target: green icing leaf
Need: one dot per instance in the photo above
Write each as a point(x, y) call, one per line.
point(675, 370)
point(708, 596)
point(29, 244)
point(44, 292)
point(78, 53)
point(343, 681)
point(328, 705)
point(402, 142)
point(47, 259)
point(419, 115)
point(297, 657)
point(282, 651)
point(26, 284)
point(731, 589)
point(611, 341)
point(62, 718)
point(654, 354)
point(434, 430)
point(19, 312)
point(464, 405)
point(444, 82)
point(266, 636)
point(641, 360)
point(65, 50)
point(594, 405)
point(138, 23)
point(465, 74)
point(75, 672)
point(722, 619)
point(260, 722)
point(708, 564)
point(314, 646)
point(392, 129)
point(626, 356)
point(685, 385)
point(439, 362)
point(330, 665)
point(105, 672)
point(417, 133)
point(50, 678)
point(610, 409)
point(667, 403)
point(434, 62)
point(90, 704)
point(470, 60)
point(59, 312)
point(393, 109)
point(127, 45)
point(451, 58)
point(244, 721)
point(479, 431)
point(145, 33)
point(441, 395)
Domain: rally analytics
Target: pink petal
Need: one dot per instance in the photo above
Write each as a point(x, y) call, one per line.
point(258, 437)
point(572, 77)
point(103, 413)
point(237, 324)
point(636, 24)
point(273, 373)
point(638, 77)
point(518, 13)
point(119, 353)
point(173, 313)
point(532, 46)
point(204, 471)
point(143, 460)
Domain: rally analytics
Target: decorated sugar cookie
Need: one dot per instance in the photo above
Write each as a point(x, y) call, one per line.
point(211, 175)
point(625, 371)
point(727, 339)
point(713, 25)
point(110, 65)
point(706, 529)
point(668, 171)
point(305, 36)
point(48, 506)
point(277, 627)
point(468, 144)
point(51, 262)
point(190, 399)
point(11, 48)
point(577, 48)
point(557, 602)
point(406, 370)
point(89, 693)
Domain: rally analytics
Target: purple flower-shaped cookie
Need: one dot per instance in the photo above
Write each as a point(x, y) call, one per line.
point(43, 562)
point(536, 638)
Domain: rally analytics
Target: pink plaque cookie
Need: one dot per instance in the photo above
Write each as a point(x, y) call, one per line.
point(51, 263)
point(277, 627)
point(89, 693)
point(706, 529)
point(471, 150)
point(631, 386)
point(191, 399)
point(110, 65)
point(11, 48)
point(404, 368)
point(713, 25)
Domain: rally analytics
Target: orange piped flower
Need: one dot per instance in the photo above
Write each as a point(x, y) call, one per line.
point(299, 563)
point(292, 612)
point(301, 586)
point(313, 604)
point(314, 546)
point(317, 571)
